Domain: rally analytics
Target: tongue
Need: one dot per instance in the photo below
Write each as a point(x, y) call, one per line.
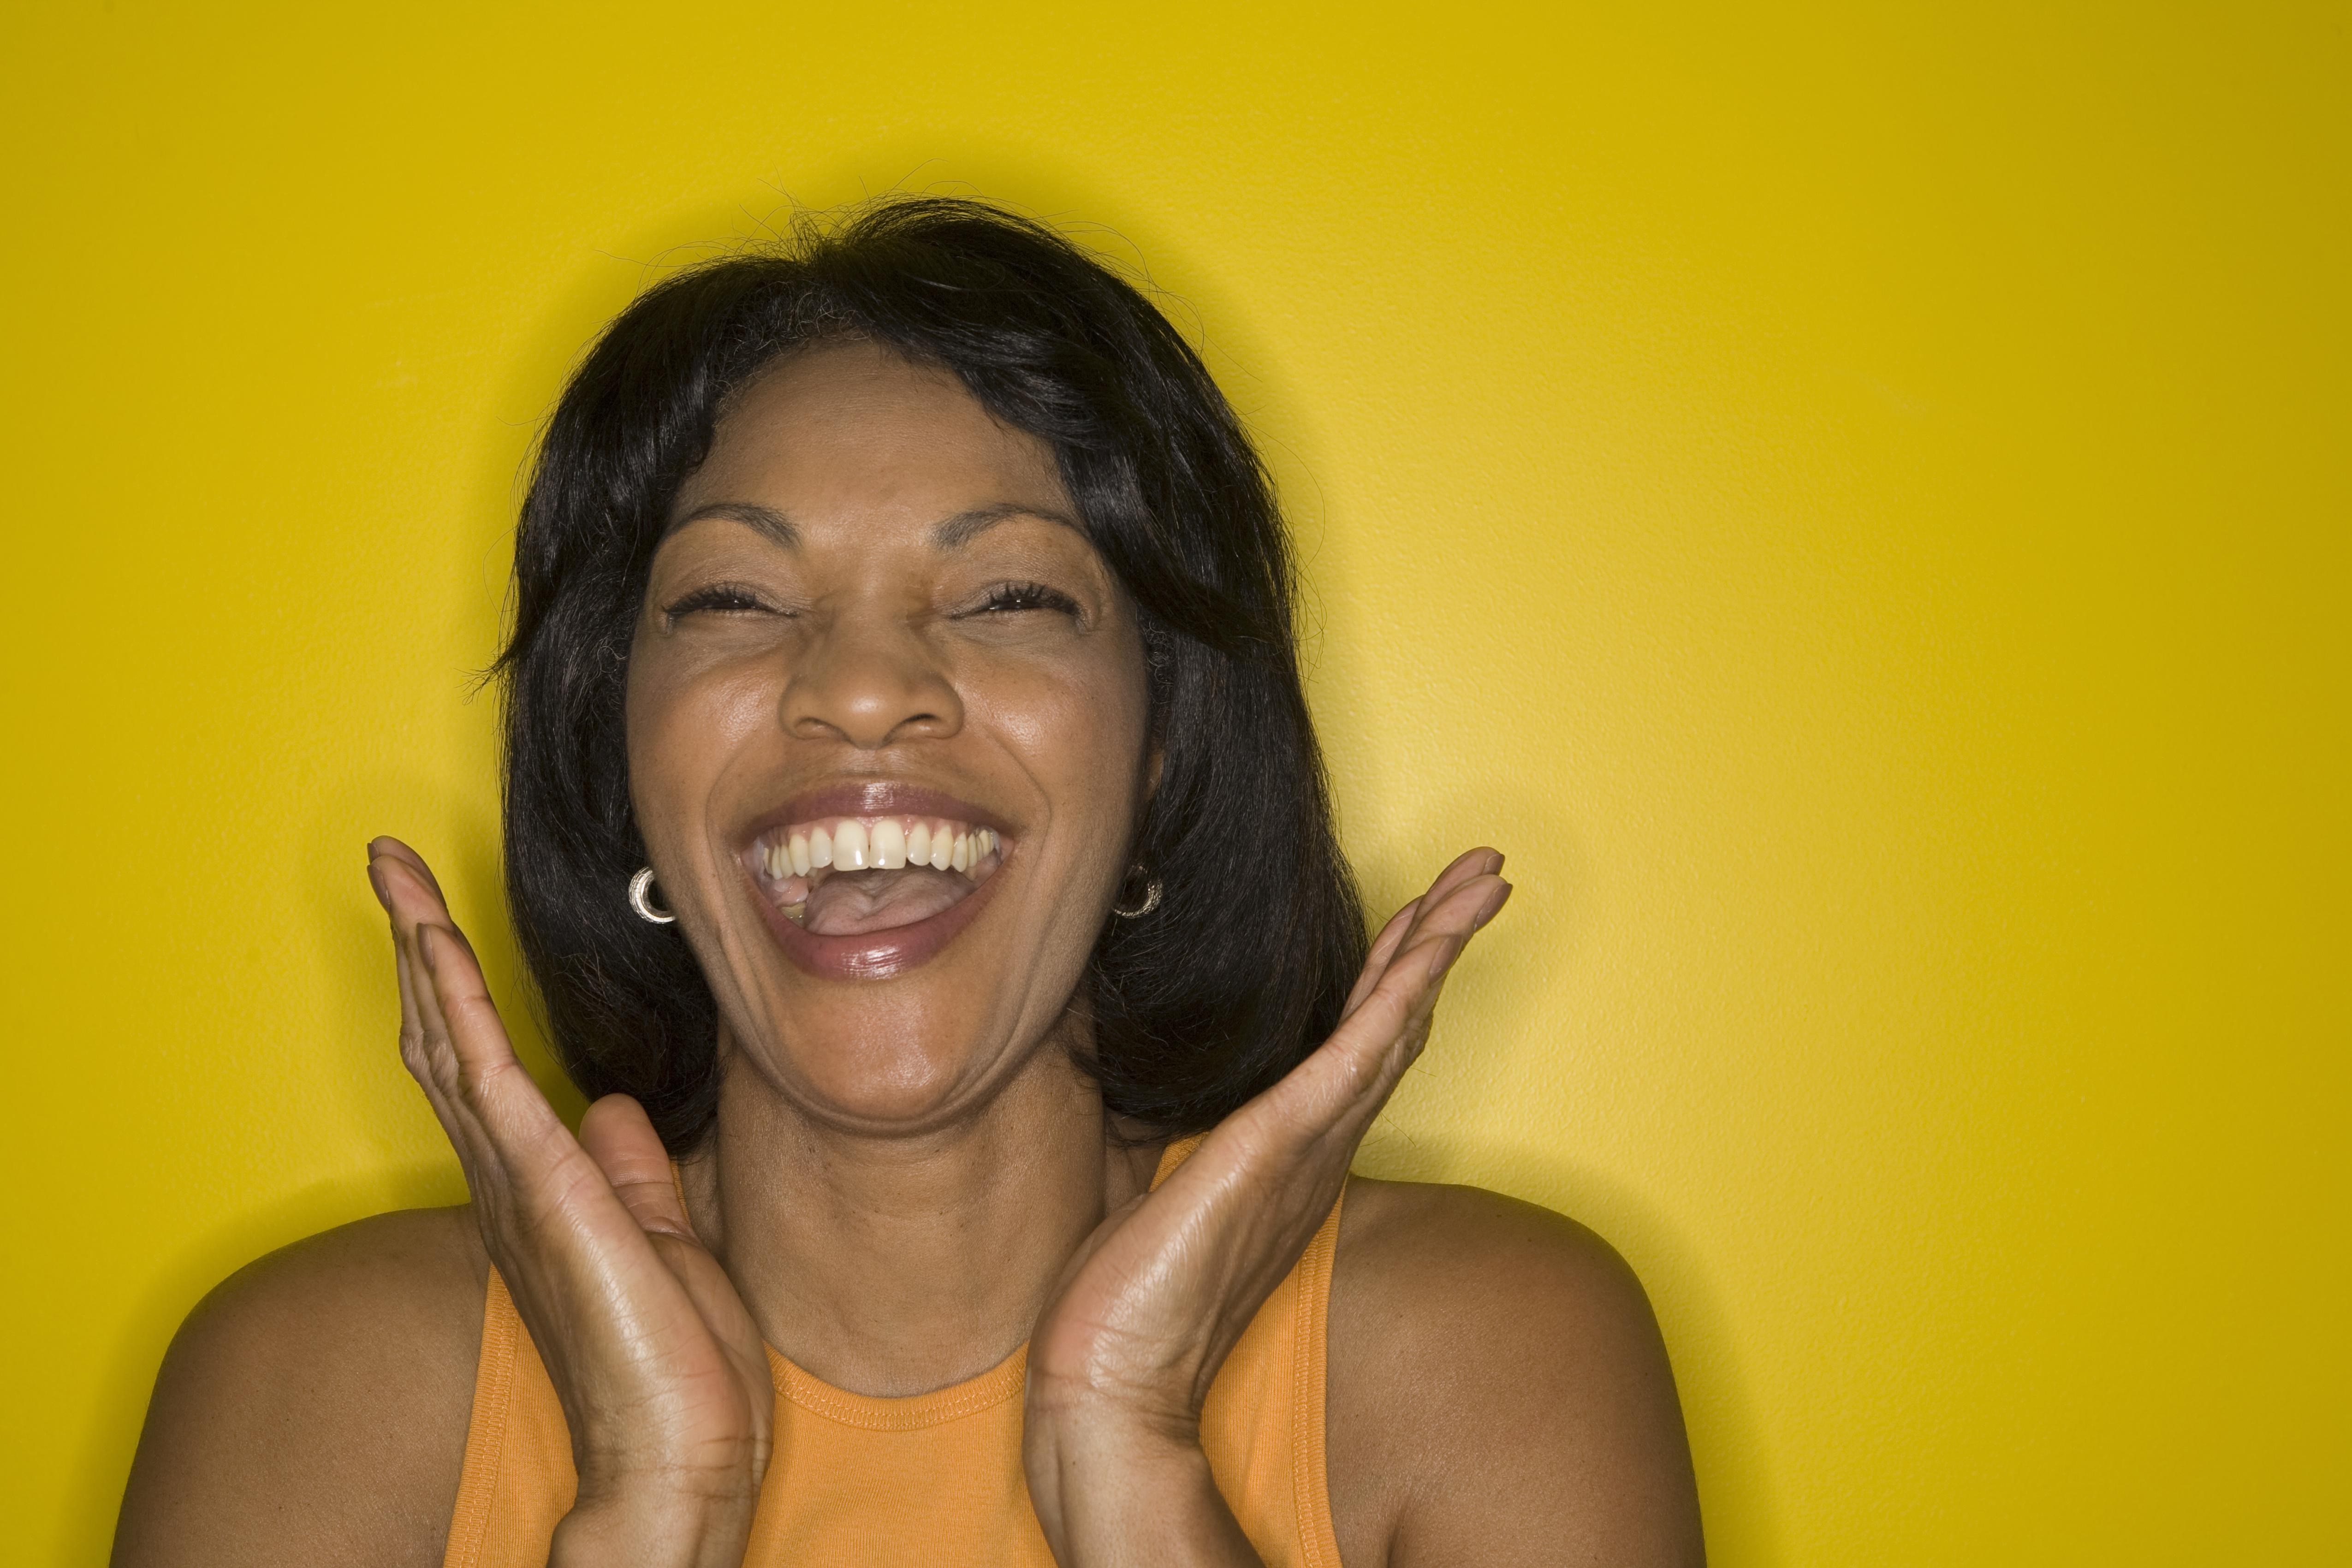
point(851, 903)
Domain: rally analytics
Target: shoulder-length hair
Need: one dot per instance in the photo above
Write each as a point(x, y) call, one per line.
point(1244, 964)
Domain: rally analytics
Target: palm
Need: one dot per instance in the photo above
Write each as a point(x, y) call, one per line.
point(1164, 1287)
point(657, 1362)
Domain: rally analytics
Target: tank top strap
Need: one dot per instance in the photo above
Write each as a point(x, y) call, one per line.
point(519, 1482)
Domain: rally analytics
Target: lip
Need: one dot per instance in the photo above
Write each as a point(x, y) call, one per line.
point(873, 955)
point(875, 797)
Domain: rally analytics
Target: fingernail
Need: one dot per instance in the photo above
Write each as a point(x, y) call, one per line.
point(425, 949)
point(1494, 907)
point(383, 893)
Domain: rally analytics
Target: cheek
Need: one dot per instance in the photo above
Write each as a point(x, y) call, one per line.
point(1080, 734)
point(684, 723)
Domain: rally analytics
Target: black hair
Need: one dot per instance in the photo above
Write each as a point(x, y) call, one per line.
point(1259, 933)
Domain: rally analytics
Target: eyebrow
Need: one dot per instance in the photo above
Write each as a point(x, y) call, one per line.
point(766, 519)
point(965, 526)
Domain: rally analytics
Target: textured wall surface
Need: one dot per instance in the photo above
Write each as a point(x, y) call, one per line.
point(1854, 501)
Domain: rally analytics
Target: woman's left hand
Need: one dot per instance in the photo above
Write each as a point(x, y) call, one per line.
point(1124, 1353)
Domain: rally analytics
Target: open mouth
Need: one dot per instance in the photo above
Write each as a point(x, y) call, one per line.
point(854, 876)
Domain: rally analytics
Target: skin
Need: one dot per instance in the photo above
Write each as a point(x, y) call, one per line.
point(908, 1178)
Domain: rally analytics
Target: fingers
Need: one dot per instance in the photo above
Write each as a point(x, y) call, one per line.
point(396, 893)
point(390, 849)
point(1406, 923)
point(451, 1038)
point(1461, 892)
point(1401, 1002)
point(1343, 1085)
point(1446, 921)
point(462, 1026)
point(445, 981)
point(1384, 947)
point(1465, 897)
point(620, 1138)
point(1483, 861)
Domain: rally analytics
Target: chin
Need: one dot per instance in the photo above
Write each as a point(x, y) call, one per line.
point(892, 1057)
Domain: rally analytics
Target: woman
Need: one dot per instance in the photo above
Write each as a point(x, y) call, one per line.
point(915, 830)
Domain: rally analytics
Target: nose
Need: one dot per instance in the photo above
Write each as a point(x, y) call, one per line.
point(871, 683)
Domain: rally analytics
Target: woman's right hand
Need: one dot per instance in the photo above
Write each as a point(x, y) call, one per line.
point(662, 1372)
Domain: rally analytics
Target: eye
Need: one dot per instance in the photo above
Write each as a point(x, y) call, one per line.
point(1013, 598)
point(724, 598)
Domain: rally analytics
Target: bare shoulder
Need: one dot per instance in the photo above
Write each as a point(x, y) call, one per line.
point(1497, 1390)
point(313, 1409)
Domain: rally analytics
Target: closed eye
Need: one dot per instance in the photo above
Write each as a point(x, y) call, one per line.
point(1008, 598)
point(723, 598)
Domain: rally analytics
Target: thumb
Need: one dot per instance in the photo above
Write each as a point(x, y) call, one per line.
point(621, 1139)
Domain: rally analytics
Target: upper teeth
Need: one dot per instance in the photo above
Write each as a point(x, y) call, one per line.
point(875, 843)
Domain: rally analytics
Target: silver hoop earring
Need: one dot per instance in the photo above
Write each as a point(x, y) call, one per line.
point(1150, 902)
point(641, 898)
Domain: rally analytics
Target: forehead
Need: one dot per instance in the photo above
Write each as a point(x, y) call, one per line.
point(853, 427)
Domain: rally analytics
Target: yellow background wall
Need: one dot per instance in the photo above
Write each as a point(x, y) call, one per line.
point(1854, 500)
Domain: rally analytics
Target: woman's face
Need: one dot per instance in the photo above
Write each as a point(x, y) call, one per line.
point(888, 737)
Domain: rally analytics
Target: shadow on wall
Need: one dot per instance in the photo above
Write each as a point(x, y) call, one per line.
point(175, 1284)
point(354, 1046)
point(1719, 1402)
point(1520, 982)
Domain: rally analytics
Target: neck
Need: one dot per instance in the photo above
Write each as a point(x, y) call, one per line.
point(896, 1264)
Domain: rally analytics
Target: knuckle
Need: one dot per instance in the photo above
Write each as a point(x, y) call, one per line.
point(480, 1078)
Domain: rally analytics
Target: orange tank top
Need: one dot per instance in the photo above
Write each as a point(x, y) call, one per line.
point(935, 1479)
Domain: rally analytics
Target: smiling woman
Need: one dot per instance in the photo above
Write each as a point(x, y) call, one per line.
point(917, 834)
point(710, 482)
